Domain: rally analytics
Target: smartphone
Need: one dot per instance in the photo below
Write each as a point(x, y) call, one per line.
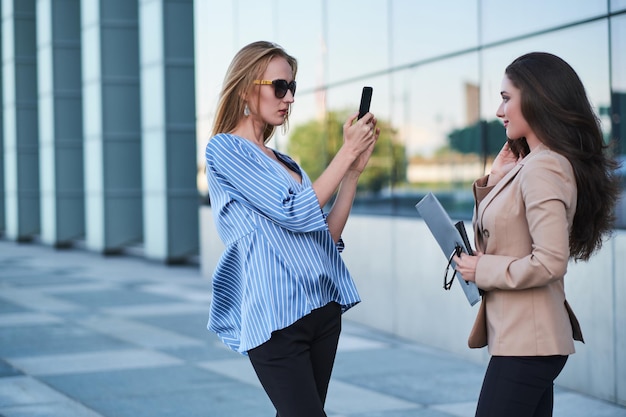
point(366, 99)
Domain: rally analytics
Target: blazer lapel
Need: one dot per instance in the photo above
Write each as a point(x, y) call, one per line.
point(506, 179)
point(496, 190)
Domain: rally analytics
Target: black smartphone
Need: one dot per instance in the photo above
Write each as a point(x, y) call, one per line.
point(366, 99)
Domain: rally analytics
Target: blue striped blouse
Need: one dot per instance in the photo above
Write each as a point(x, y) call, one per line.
point(280, 261)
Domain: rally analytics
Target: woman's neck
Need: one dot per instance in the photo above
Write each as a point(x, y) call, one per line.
point(251, 131)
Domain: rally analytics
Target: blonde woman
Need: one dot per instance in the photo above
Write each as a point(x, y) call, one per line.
point(280, 286)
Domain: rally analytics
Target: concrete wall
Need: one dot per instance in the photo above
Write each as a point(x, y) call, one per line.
point(399, 271)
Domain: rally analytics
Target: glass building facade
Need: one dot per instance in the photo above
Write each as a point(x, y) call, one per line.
point(436, 69)
point(97, 95)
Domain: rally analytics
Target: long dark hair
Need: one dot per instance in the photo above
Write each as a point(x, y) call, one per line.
point(556, 107)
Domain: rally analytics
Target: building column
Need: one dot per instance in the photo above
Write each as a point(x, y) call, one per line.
point(60, 121)
point(21, 155)
point(111, 124)
point(170, 195)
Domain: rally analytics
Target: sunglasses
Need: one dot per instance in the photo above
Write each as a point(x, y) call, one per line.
point(280, 87)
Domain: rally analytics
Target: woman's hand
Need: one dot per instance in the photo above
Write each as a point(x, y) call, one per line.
point(504, 162)
point(361, 162)
point(466, 265)
point(359, 136)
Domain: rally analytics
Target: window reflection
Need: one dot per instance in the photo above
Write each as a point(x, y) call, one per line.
point(516, 18)
point(442, 131)
point(618, 102)
point(587, 56)
point(364, 49)
point(422, 31)
point(618, 5)
point(436, 70)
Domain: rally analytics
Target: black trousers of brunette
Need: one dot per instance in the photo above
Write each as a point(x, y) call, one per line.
point(519, 386)
point(295, 365)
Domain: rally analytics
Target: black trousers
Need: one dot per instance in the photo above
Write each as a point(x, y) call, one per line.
point(295, 365)
point(519, 386)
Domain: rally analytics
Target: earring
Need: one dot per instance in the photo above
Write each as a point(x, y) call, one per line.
point(246, 110)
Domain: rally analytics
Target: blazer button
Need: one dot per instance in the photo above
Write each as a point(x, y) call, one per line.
point(486, 233)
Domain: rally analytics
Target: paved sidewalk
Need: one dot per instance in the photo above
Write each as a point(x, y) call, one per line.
point(82, 335)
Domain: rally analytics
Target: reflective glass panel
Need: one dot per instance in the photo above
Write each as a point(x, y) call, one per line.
point(583, 47)
point(438, 121)
point(618, 104)
point(618, 5)
point(356, 40)
point(422, 30)
point(432, 90)
point(516, 18)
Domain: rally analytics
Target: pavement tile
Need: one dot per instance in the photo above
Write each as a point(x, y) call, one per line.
point(424, 388)
point(53, 338)
point(92, 361)
point(137, 333)
point(238, 369)
point(27, 319)
point(61, 409)
point(417, 412)
point(212, 351)
point(37, 280)
point(112, 298)
point(183, 322)
point(225, 400)
point(463, 409)
point(197, 293)
point(569, 404)
point(7, 370)
point(74, 286)
point(159, 309)
point(35, 301)
point(403, 360)
point(8, 307)
point(27, 397)
point(136, 382)
point(25, 390)
point(350, 343)
point(346, 398)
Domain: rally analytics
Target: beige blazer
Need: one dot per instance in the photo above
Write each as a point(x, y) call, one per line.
point(522, 226)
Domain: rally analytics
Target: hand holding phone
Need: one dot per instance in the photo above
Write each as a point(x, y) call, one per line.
point(366, 99)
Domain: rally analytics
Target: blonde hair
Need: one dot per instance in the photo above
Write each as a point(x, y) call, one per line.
point(248, 65)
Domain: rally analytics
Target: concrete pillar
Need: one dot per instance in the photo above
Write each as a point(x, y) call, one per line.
point(21, 155)
point(111, 124)
point(170, 192)
point(60, 121)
